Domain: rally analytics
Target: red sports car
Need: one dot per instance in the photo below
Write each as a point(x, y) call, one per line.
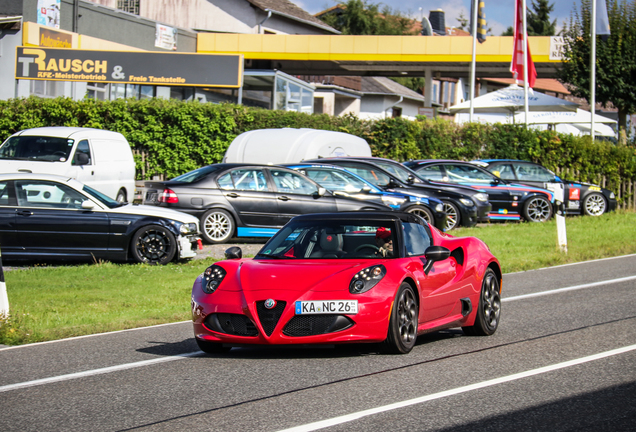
point(348, 277)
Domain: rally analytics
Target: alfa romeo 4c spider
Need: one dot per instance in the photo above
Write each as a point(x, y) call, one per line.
point(337, 278)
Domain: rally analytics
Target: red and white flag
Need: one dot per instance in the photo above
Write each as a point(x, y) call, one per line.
point(516, 66)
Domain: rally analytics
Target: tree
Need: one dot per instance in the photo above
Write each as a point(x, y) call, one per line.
point(360, 17)
point(538, 20)
point(615, 58)
point(463, 21)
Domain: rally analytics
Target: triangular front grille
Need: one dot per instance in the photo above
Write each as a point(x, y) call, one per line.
point(269, 317)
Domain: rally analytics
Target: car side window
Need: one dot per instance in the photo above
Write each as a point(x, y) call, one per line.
point(4, 193)
point(83, 147)
point(246, 179)
point(467, 174)
point(371, 175)
point(503, 171)
point(291, 182)
point(34, 193)
point(533, 173)
point(416, 238)
point(432, 173)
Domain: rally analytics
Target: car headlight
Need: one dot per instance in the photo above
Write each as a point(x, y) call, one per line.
point(188, 228)
point(393, 201)
point(366, 279)
point(481, 197)
point(439, 208)
point(212, 278)
point(612, 196)
point(467, 202)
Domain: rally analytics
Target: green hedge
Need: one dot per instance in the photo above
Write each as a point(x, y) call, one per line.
point(171, 137)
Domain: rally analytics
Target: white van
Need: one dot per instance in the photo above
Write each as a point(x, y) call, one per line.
point(288, 145)
point(100, 159)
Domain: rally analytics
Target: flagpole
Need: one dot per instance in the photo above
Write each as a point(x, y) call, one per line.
point(593, 69)
point(525, 62)
point(473, 63)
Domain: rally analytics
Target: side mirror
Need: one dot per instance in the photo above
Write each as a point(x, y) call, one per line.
point(81, 159)
point(234, 252)
point(433, 254)
point(366, 189)
point(88, 205)
point(320, 192)
point(410, 179)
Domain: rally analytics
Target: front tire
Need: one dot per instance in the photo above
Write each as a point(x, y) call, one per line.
point(537, 209)
point(217, 226)
point(489, 308)
point(594, 205)
point(212, 347)
point(453, 217)
point(402, 333)
point(153, 244)
point(422, 212)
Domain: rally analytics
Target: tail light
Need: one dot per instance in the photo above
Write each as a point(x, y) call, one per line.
point(169, 197)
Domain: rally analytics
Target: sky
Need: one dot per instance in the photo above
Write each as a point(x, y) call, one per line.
point(500, 14)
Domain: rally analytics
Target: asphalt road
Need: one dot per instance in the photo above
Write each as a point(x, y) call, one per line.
point(561, 360)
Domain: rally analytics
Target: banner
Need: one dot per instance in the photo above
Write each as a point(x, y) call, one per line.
point(602, 21)
point(516, 66)
point(131, 67)
point(49, 13)
point(481, 20)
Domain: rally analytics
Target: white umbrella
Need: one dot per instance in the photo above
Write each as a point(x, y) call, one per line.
point(511, 99)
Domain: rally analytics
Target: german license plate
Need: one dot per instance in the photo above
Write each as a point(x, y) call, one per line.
point(347, 307)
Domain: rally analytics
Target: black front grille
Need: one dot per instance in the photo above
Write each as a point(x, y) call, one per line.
point(232, 324)
point(269, 317)
point(311, 325)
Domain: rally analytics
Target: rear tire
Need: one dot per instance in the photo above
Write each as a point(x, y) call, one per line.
point(402, 333)
point(121, 196)
point(212, 347)
point(489, 308)
point(217, 226)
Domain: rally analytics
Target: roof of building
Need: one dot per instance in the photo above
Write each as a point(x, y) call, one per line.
point(386, 86)
point(542, 84)
point(286, 7)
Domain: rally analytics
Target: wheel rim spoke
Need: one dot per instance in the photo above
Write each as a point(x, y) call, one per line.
point(491, 302)
point(153, 246)
point(407, 317)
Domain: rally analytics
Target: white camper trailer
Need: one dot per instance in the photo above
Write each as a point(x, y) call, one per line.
point(287, 145)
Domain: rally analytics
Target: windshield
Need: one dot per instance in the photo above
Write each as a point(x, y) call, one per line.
point(399, 171)
point(197, 174)
point(336, 180)
point(329, 239)
point(36, 148)
point(107, 201)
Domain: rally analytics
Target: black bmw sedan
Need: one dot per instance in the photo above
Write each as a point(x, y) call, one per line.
point(247, 200)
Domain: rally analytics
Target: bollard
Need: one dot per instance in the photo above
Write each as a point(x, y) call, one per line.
point(4, 299)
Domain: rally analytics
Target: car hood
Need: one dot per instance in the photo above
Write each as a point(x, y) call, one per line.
point(297, 275)
point(162, 212)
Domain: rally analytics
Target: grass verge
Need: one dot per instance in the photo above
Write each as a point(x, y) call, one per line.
point(48, 303)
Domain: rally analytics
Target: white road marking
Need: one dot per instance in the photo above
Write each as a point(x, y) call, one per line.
point(573, 264)
point(572, 288)
point(360, 414)
point(95, 372)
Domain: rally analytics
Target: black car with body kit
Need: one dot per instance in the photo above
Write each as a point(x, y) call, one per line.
point(463, 205)
point(247, 200)
point(510, 201)
point(579, 197)
point(46, 217)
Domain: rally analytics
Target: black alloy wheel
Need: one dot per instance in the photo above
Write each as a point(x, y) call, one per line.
point(537, 209)
point(594, 204)
point(489, 308)
point(402, 333)
point(153, 244)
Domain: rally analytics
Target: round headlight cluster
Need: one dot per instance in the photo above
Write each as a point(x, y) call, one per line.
point(212, 278)
point(366, 279)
